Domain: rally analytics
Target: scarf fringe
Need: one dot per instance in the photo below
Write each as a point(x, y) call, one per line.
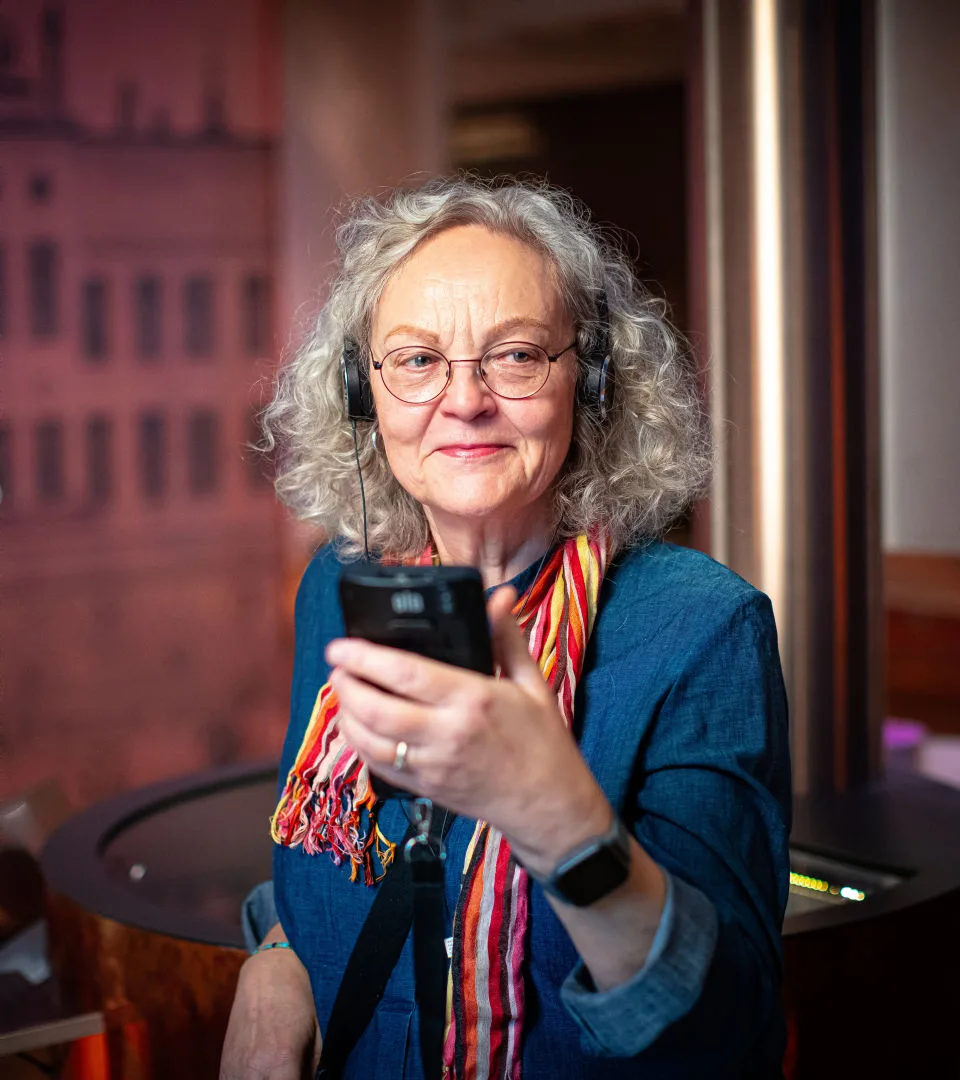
point(328, 803)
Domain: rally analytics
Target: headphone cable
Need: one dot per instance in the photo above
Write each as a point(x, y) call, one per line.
point(363, 497)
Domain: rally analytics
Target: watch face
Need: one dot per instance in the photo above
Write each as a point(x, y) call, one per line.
point(592, 878)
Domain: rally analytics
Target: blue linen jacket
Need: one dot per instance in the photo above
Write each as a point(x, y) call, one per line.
point(681, 715)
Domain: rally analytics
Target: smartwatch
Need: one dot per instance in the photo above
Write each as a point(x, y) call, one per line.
point(593, 870)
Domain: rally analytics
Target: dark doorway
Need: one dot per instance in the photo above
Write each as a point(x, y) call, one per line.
point(623, 153)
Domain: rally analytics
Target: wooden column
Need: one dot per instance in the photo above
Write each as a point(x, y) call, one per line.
point(788, 287)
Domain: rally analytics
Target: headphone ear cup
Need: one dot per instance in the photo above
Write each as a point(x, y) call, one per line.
point(605, 387)
point(366, 393)
point(586, 387)
point(596, 385)
point(357, 395)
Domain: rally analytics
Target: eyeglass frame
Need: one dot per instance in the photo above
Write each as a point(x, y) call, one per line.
point(377, 365)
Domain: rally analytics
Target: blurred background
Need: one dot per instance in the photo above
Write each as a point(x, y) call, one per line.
point(169, 178)
point(783, 172)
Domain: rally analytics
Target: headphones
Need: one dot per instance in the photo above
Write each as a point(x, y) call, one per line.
point(594, 387)
point(357, 395)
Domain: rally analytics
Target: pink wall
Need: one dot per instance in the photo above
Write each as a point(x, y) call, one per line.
point(174, 51)
point(140, 637)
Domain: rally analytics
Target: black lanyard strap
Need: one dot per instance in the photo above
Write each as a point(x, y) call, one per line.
point(425, 859)
point(411, 892)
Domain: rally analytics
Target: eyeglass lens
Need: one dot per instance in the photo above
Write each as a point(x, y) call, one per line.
point(515, 369)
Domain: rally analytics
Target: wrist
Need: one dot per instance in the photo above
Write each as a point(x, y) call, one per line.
point(276, 977)
point(278, 958)
point(268, 946)
point(592, 870)
point(561, 826)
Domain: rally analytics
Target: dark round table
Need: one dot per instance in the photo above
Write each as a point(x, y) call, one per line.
point(146, 890)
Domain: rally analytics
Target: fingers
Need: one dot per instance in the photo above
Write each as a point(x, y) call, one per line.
point(501, 603)
point(401, 673)
point(374, 723)
point(378, 751)
point(383, 714)
point(509, 645)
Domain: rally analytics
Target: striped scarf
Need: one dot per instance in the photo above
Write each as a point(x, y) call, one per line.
point(329, 805)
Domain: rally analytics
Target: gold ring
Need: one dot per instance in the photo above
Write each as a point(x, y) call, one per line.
point(400, 757)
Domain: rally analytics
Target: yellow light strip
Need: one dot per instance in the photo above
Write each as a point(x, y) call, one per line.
point(804, 881)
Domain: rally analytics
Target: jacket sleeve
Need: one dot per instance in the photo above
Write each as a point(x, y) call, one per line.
point(713, 809)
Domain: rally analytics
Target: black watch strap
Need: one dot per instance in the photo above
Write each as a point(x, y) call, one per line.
point(593, 870)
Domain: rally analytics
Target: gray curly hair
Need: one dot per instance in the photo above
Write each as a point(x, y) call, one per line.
point(631, 475)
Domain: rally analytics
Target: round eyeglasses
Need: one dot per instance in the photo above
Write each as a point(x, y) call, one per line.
point(514, 370)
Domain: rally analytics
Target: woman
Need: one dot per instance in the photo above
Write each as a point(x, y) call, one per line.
point(639, 715)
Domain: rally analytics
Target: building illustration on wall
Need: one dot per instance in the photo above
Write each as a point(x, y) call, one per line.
point(139, 534)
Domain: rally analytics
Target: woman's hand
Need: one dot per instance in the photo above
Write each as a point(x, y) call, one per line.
point(495, 749)
point(498, 749)
point(273, 1032)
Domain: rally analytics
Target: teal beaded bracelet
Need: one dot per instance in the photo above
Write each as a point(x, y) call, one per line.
point(273, 945)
